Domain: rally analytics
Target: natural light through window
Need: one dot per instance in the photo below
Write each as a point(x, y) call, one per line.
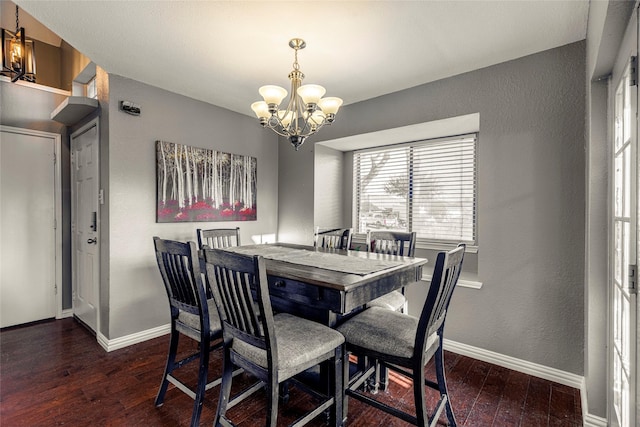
point(427, 186)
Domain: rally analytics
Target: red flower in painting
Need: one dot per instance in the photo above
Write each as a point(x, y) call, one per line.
point(226, 212)
point(247, 212)
point(165, 212)
point(200, 205)
point(182, 216)
point(207, 217)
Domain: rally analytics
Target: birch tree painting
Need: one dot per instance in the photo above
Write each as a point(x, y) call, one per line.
point(197, 184)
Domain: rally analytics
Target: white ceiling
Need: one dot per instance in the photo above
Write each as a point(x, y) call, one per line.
point(221, 52)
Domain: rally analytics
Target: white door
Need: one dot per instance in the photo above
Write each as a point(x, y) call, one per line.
point(85, 223)
point(624, 231)
point(28, 197)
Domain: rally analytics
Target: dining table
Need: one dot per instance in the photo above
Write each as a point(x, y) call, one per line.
point(327, 285)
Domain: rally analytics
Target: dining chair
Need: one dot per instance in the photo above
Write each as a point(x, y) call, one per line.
point(218, 237)
point(192, 315)
point(273, 348)
point(332, 238)
point(406, 344)
point(393, 243)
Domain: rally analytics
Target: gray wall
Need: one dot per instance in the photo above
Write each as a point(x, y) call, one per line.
point(329, 186)
point(530, 201)
point(136, 297)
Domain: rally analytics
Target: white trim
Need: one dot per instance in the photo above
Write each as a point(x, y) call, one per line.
point(470, 249)
point(66, 313)
point(127, 340)
point(463, 283)
point(469, 123)
point(530, 368)
point(589, 420)
point(36, 86)
point(526, 367)
point(57, 140)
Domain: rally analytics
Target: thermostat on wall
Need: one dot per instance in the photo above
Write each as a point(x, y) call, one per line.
point(130, 108)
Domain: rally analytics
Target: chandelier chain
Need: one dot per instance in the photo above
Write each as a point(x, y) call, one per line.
point(296, 66)
point(17, 22)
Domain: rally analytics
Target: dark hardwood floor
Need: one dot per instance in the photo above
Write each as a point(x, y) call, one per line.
point(55, 373)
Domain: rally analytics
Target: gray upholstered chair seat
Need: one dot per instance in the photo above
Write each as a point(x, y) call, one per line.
point(189, 324)
point(394, 300)
point(300, 343)
point(385, 331)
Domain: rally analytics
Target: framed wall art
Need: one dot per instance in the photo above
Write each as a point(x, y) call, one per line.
point(203, 185)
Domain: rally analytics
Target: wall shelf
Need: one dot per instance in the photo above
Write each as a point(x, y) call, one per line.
point(73, 109)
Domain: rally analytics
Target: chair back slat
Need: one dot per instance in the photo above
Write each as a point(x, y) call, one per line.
point(392, 242)
point(235, 279)
point(180, 270)
point(443, 282)
point(217, 238)
point(332, 238)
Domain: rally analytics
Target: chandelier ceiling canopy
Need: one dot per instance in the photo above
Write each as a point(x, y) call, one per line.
point(306, 112)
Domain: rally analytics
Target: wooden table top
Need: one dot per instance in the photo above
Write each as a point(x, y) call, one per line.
point(326, 277)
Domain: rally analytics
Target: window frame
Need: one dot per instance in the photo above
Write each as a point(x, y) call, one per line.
point(422, 242)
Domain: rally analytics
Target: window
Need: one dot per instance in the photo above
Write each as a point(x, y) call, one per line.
point(426, 186)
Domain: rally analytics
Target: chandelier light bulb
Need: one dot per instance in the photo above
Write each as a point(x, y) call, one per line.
point(285, 117)
point(273, 95)
point(330, 105)
point(261, 109)
point(311, 94)
point(16, 54)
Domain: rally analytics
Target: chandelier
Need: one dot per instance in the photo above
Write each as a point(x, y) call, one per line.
point(18, 57)
point(306, 112)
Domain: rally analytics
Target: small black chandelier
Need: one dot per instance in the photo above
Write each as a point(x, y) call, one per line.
point(18, 54)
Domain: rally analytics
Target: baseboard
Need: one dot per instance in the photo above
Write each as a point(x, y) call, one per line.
point(589, 420)
point(530, 368)
point(138, 337)
point(540, 371)
point(66, 313)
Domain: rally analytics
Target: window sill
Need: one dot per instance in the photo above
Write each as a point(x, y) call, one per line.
point(465, 283)
point(444, 247)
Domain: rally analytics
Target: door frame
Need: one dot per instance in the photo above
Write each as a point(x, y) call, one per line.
point(57, 184)
point(82, 129)
point(629, 46)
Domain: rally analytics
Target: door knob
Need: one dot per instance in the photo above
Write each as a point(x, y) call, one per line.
point(94, 241)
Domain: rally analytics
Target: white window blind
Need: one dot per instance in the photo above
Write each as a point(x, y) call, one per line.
point(425, 186)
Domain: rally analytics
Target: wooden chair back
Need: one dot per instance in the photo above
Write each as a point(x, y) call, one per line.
point(216, 238)
point(444, 279)
point(392, 242)
point(179, 266)
point(234, 279)
point(332, 238)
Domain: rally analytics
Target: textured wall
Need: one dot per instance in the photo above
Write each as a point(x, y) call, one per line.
point(329, 186)
point(137, 300)
point(531, 197)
